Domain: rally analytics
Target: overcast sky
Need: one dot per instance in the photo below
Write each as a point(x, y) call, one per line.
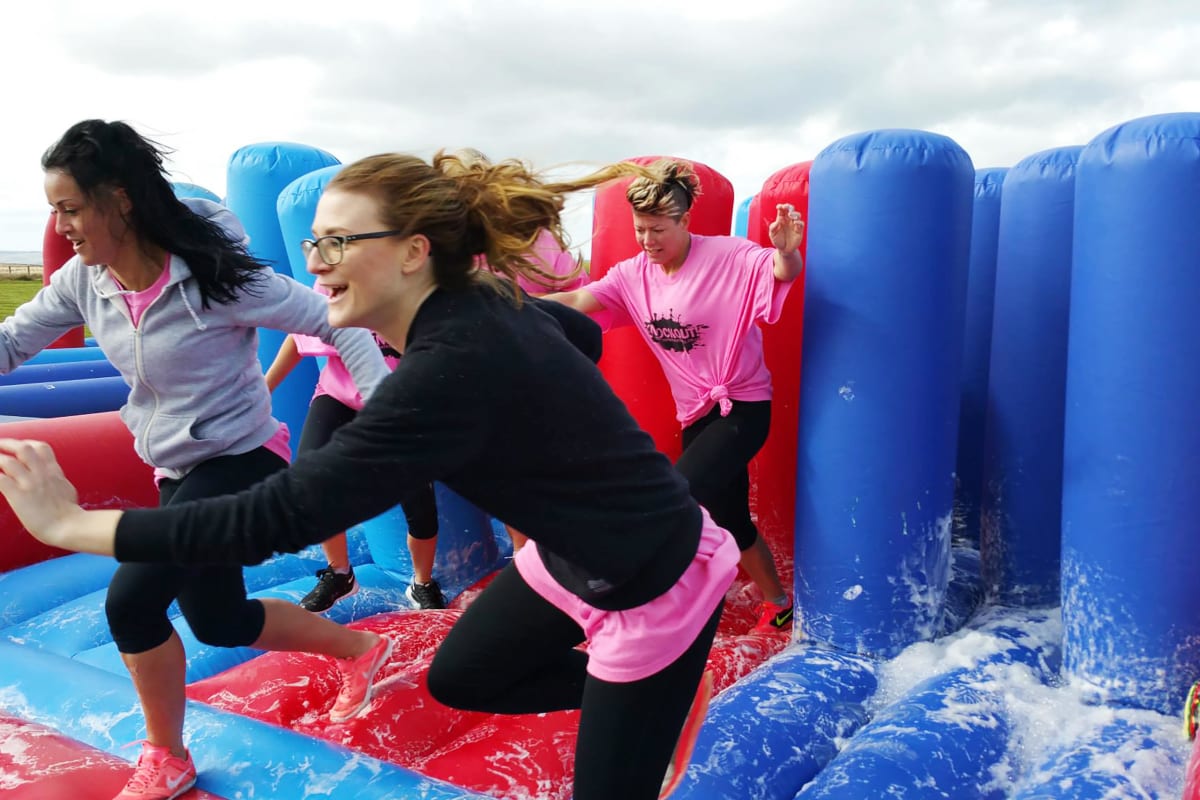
point(745, 86)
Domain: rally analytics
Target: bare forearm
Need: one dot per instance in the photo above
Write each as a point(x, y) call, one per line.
point(285, 361)
point(788, 267)
point(86, 532)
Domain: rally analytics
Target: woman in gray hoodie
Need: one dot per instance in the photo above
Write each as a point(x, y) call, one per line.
point(174, 299)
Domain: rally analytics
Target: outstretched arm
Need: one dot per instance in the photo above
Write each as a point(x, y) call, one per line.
point(580, 299)
point(47, 503)
point(426, 424)
point(786, 232)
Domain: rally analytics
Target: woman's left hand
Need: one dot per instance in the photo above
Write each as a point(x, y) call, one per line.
point(38, 491)
point(786, 230)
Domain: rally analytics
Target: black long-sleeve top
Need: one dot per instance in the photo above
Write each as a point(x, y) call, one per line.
point(496, 402)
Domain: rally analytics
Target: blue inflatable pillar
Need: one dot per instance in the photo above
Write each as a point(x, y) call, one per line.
point(184, 190)
point(257, 173)
point(1131, 609)
point(1020, 538)
point(296, 207)
point(741, 218)
point(890, 215)
point(977, 351)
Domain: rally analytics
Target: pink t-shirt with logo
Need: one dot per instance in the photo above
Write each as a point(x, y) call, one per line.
point(700, 321)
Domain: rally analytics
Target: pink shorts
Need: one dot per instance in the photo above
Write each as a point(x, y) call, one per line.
point(629, 645)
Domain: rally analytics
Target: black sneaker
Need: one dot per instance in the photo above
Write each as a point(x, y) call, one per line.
point(425, 595)
point(331, 587)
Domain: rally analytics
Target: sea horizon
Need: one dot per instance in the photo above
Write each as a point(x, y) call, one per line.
point(32, 257)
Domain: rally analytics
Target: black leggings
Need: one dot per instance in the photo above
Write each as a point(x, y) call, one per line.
point(212, 598)
point(716, 453)
point(325, 415)
point(512, 652)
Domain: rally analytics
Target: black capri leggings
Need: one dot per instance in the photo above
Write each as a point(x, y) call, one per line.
point(513, 652)
point(325, 415)
point(212, 598)
point(716, 453)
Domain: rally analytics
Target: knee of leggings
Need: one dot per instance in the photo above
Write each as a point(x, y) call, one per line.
point(443, 688)
point(453, 689)
point(133, 636)
point(423, 532)
point(239, 629)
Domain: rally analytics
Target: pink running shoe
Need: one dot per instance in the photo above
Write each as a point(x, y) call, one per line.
point(358, 680)
point(159, 775)
point(687, 737)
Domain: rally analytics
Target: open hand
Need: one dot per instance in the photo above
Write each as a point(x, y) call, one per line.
point(40, 494)
point(787, 229)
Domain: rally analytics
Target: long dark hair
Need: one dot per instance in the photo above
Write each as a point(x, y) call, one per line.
point(104, 156)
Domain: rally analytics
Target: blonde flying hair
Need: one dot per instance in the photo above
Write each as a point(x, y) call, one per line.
point(468, 207)
point(668, 191)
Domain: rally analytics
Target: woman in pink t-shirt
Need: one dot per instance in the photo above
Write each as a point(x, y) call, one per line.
point(696, 301)
point(335, 402)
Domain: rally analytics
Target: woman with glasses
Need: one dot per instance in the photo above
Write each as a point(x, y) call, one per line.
point(496, 395)
point(697, 302)
point(173, 299)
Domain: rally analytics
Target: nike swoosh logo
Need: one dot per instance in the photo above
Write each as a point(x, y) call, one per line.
point(782, 619)
point(172, 785)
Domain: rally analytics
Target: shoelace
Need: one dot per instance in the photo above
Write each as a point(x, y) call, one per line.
point(143, 777)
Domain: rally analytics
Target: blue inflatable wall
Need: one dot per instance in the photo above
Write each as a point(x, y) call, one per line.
point(64, 399)
point(52, 372)
point(60, 355)
point(977, 351)
point(1131, 611)
point(890, 213)
point(257, 174)
point(1022, 474)
point(949, 736)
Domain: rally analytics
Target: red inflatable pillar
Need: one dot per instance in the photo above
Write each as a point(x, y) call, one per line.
point(56, 251)
point(96, 454)
point(628, 364)
point(773, 471)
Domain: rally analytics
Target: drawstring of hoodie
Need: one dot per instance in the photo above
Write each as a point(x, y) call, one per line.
point(196, 317)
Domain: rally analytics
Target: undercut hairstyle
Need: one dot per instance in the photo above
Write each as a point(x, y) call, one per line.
point(669, 191)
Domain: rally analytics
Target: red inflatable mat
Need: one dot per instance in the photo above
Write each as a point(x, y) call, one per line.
point(505, 756)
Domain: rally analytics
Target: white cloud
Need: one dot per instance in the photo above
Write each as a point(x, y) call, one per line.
point(747, 88)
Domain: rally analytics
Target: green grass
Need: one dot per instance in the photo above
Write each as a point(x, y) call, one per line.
point(15, 291)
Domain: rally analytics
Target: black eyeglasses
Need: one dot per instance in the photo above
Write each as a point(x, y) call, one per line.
point(331, 249)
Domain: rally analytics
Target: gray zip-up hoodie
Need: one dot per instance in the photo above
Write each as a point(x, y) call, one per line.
point(196, 385)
